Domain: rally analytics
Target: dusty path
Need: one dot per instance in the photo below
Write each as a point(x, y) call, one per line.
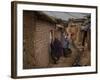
point(77, 58)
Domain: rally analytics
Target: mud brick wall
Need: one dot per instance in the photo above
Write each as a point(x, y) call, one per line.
point(75, 30)
point(36, 40)
point(28, 37)
point(42, 42)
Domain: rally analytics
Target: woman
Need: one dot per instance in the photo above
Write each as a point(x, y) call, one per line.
point(56, 50)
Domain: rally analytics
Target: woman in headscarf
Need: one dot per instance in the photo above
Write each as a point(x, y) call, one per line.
point(56, 50)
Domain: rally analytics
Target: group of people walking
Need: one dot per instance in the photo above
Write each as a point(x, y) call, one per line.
point(59, 48)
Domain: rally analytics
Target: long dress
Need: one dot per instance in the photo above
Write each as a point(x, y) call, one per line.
point(56, 49)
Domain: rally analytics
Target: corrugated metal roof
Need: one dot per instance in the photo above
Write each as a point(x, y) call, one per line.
point(65, 15)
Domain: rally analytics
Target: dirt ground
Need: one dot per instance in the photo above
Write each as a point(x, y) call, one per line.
point(76, 58)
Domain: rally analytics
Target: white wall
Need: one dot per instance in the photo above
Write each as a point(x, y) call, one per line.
point(5, 40)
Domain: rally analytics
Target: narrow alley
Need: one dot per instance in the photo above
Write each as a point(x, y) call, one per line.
point(56, 39)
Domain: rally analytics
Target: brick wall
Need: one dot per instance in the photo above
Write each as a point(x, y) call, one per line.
point(28, 36)
point(36, 34)
point(41, 42)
